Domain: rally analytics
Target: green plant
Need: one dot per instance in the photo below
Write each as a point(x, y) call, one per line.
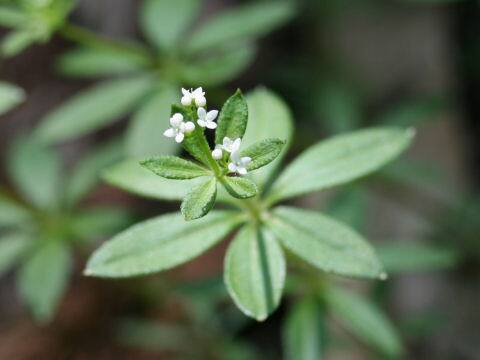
point(255, 265)
point(43, 221)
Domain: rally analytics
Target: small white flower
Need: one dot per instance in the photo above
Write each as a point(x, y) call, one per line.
point(187, 97)
point(178, 128)
point(207, 119)
point(217, 154)
point(239, 164)
point(199, 96)
point(230, 145)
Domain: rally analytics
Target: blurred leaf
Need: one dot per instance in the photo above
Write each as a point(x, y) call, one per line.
point(130, 176)
point(15, 42)
point(43, 279)
point(340, 159)
point(199, 200)
point(86, 173)
point(164, 22)
point(365, 320)
point(338, 108)
point(12, 214)
point(219, 67)
point(98, 222)
point(413, 113)
point(302, 333)
point(36, 172)
point(153, 336)
point(93, 109)
point(12, 248)
point(410, 257)
point(95, 62)
point(233, 118)
point(255, 272)
point(324, 243)
point(241, 23)
point(159, 244)
point(350, 207)
point(144, 134)
point(11, 16)
point(10, 96)
point(263, 106)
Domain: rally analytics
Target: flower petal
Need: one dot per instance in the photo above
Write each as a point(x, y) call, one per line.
point(201, 123)
point(241, 170)
point(202, 113)
point(212, 115)
point(211, 125)
point(169, 133)
point(232, 167)
point(179, 137)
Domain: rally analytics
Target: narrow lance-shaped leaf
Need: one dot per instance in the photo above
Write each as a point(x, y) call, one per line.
point(241, 23)
point(10, 96)
point(159, 244)
point(12, 248)
point(164, 22)
point(255, 272)
point(172, 167)
point(12, 214)
point(232, 121)
point(365, 320)
point(239, 187)
point(263, 152)
point(325, 243)
point(43, 279)
point(93, 109)
point(199, 200)
point(339, 160)
point(303, 330)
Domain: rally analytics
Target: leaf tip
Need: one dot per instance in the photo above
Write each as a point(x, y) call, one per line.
point(383, 276)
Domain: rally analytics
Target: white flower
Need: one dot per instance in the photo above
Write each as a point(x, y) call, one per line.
point(207, 119)
point(178, 128)
point(230, 145)
point(186, 98)
point(239, 164)
point(199, 96)
point(217, 154)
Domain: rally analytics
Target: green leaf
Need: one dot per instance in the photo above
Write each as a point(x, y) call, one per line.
point(86, 173)
point(340, 159)
point(409, 257)
point(263, 152)
point(239, 187)
point(36, 172)
point(95, 62)
point(12, 248)
point(233, 118)
point(164, 22)
point(263, 107)
point(11, 16)
point(12, 214)
point(43, 279)
point(93, 109)
point(173, 167)
point(130, 176)
point(365, 320)
point(246, 22)
point(16, 41)
point(98, 222)
point(10, 96)
point(325, 243)
point(199, 200)
point(220, 66)
point(255, 272)
point(144, 133)
point(303, 330)
point(159, 244)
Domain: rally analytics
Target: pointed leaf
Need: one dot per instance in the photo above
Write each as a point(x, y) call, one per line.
point(303, 331)
point(12, 214)
point(239, 187)
point(12, 248)
point(325, 243)
point(93, 109)
point(159, 244)
point(255, 272)
point(233, 118)
point(240, 23)
point(10, 96)
point(263, 152)
point(164, 22)
point(199, 200)
point(173, 167)
point(43, 279)
point(340, 159)
point(365, 320)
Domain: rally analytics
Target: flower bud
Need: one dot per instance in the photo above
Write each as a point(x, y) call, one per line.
point(186, 100)
point(200, 101)
point(189, 127)
point(217, 154)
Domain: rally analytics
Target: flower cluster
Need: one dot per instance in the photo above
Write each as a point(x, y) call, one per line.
point(178, 129)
